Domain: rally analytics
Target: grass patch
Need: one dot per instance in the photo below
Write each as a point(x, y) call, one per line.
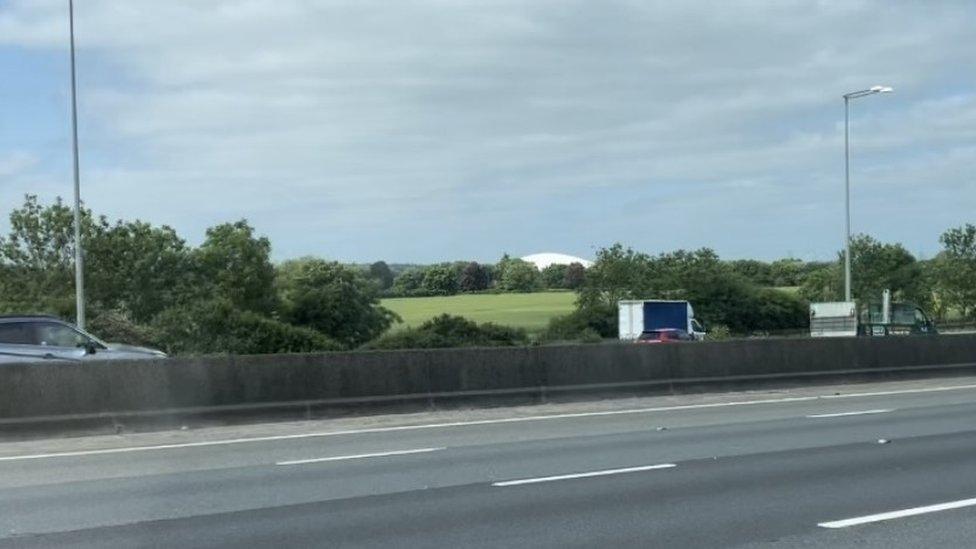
point(529, 311)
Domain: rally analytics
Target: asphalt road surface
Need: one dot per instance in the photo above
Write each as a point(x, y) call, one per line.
point(880, 465)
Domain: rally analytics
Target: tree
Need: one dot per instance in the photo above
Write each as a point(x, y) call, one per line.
point(785, 272)
point(759, 273)
point(139, 270)
point(554, 276)
point(409, 282)
point(876, 266)
point(239, 266)
point(519, 276)
point(824, 284)
point(38, 257)
point(618, 273)
point(381, 273)
point(474, 278)
point(440, 280)
point(337, 301)
point(574, 276)
point(954, 270)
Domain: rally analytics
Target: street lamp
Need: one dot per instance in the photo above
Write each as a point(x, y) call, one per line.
point(847, 176)
point(79, 267)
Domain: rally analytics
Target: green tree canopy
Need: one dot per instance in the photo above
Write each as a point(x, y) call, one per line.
point(239, 266)
point(954, 270)
point(474, 278)
point(516, 275)
point(334, 299)
point(554, 276)
point(409, 282)
point(574, 276)
point(440, 279)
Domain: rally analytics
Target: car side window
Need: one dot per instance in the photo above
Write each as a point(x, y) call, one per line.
point(16, 333)
point(59, 335)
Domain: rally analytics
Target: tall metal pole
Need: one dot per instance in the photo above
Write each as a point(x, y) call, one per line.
point(79, 255)
point(847, 198)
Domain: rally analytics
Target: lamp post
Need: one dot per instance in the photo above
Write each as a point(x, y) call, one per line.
point(79, 261)
point(847, 177)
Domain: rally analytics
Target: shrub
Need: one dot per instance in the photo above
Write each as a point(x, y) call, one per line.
point(218, 327)
point(719, 332)
point(336, 300)
point(585, 322)
point(115, 327)
point(451, 331)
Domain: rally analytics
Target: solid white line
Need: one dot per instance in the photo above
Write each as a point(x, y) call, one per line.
point(584, 475)
point(899, 514)
point(224, 442)
point(845, 414)
point(359, 456)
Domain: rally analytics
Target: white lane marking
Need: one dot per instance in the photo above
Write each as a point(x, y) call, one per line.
point(845, 414)
point(360, 456)
point(899, 514)
point(224, 442)
point(584, 475)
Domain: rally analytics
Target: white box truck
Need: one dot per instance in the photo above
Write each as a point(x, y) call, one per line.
point(643, 315)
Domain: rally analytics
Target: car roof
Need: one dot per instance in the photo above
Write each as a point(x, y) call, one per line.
point(663, 330)
point(28, 317)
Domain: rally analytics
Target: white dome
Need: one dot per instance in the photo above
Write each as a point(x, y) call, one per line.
point(543, 260)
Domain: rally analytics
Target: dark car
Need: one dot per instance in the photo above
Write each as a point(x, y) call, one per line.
point(664, 335)
point(26, 338)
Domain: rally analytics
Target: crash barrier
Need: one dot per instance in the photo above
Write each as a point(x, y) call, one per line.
point(317, 384)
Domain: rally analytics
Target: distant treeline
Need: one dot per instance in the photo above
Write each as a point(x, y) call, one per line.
point(145, 284)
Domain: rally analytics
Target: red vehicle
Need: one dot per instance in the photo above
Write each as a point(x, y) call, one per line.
point(664, 335)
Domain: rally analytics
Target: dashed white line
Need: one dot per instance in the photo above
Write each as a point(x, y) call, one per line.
point(296, 436)
point(845, 414)
point(584, 475)
point(360, 456)
point(899, 514)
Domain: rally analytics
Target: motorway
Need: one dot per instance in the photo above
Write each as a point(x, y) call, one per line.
point(869, 465)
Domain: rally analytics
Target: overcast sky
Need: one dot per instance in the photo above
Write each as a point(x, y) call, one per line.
point(429, 130)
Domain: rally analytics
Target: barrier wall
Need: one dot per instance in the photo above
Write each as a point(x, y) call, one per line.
point(111, 388)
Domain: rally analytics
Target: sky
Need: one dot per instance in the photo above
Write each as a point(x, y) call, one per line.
point(434, 130)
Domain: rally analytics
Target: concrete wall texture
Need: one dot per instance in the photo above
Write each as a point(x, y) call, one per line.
point(120, 387)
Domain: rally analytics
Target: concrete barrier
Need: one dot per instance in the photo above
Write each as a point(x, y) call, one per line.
point(310, 385)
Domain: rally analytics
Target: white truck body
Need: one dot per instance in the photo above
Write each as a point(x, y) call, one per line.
point(634, 316)
point(833, 319)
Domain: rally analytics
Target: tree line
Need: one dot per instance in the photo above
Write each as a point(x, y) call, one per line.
point(507, 275)
point(146, 285)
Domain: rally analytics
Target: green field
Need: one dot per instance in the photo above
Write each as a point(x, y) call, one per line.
point(529, 311)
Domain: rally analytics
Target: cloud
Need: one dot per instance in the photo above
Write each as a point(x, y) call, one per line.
point(14, 163)
point(342, 128)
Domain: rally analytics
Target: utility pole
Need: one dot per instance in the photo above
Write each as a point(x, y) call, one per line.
point(79, 254)
point(847, 178)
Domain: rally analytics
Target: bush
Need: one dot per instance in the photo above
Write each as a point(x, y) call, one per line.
point(583, 323)
point(116, 327)
point(217, 327)
point(336, 300)
point(451, 331)
point(719, 332)
point(779, 310)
